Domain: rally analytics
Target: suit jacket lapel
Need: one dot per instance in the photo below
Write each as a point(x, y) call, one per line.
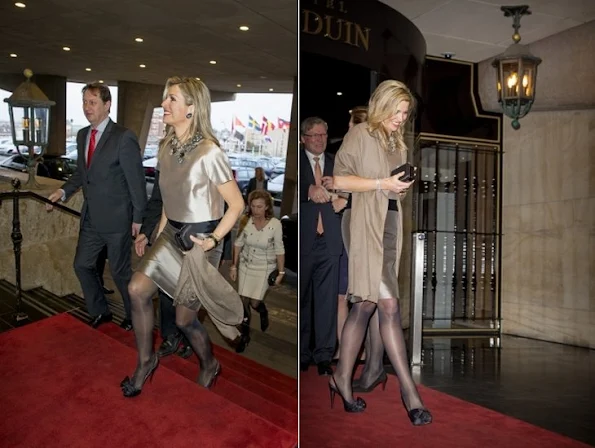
point(102, 140)
point(328, 165)
point(81, 148)
point(309, 171)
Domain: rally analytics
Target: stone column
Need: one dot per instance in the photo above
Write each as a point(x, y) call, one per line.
point(291, 164)
point(136, 102)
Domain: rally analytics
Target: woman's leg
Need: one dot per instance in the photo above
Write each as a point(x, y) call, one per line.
point(187, 321)
point(342, 313)
point(374, 347)
point(142, 290)
point(352, 337)
point(389, 318)
point(260, 307)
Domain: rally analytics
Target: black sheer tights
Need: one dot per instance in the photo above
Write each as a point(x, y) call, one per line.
point(142, 290)
point(187, 321)
point(387, 335)
point(391, 332)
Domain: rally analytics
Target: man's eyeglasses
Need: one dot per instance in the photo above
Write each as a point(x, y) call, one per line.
point(315, 135)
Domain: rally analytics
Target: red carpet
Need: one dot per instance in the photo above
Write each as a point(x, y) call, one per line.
point(457, 423)
point(59, 387)
point(255, 387)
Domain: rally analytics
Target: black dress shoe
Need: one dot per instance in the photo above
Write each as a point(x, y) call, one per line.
point(324, 368)
point(126, 325)
point(304, 366)
point(169, 345)
point(101, 319)
point(107, 291)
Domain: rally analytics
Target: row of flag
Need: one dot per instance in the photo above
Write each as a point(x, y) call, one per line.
point(263, 127)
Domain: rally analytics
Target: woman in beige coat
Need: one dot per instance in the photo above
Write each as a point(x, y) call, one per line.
point(363, 165)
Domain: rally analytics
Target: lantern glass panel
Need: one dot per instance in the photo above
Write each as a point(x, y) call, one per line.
point(528, 79)
point(41, 125)
point(511, 80)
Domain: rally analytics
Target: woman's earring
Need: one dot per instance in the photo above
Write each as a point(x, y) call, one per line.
point(188, 115)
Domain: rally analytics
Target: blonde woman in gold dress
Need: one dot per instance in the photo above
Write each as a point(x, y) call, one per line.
point(196, 181)
point(363, 165)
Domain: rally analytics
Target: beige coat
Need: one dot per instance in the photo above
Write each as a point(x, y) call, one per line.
point(362, 155)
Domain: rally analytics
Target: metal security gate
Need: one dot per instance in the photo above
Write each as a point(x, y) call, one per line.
point(456, 216)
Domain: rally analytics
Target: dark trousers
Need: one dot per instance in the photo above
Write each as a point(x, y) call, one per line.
point(319, 286)
point(167, 316)
point(101, 259)
point(119, 250)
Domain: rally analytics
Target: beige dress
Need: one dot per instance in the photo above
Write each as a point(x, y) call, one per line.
point(372, 234)
point(190, 195)
point(258, 257)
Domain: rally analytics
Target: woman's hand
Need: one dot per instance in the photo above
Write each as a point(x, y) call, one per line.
point(339, 204)
point(233, 273)
point(395, 184)
point(206, 244)
point(279, 278)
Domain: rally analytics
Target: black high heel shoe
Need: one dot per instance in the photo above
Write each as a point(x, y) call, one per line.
point(418, 416)
point(129, 390)
point(358, 406)
point(382, 379)
point(213, 379)
point(244, 340)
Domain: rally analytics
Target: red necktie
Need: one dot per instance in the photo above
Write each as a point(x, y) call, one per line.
point(91, 147)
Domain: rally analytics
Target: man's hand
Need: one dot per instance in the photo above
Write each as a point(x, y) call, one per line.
point(54, 197)
point(233, 273)
point(327, 182)
point(135, 229)
point(140, 244)
point(318, 194)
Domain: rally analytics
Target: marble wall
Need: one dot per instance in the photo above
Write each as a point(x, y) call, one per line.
point(49, 240)
point(548, 262)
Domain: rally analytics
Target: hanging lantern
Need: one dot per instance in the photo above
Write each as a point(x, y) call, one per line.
point(516, 71)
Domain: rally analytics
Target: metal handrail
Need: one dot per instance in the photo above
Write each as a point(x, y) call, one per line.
point(17, 236)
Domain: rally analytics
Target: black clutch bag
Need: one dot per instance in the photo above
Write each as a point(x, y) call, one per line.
point(183, 234)
point(273, 277)
point(406, 168)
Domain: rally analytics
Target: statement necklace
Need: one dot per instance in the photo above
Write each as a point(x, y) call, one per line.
point(182, 149)
point(392, 143)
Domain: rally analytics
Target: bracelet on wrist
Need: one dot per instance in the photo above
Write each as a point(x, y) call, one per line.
point(215, 240)
point(281, 272)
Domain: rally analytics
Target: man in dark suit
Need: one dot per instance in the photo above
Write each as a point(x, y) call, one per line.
point(320, 248)
point(258, 182)
point(173, 339)
point(110, 172)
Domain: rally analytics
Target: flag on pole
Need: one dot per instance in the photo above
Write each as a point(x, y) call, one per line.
point(236, 123)
point(267, 125)
point(282, 124)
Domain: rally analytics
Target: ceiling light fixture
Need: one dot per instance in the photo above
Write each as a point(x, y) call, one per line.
point(339, 93)
point(20, 5)
point(239, 85)
point(66, 48)
point(270, 90)
point(244, 28)
point(13, 55)
point(516, 69)
point(198, 79)
point(101, 81)
point(212, 62)
point(139, 39)
point(142, 66)
point(88, 69)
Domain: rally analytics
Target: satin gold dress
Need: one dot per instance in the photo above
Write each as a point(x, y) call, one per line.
point(190, 195)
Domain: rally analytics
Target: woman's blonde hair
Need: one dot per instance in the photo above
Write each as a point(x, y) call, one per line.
point(383, 105)
point(195, 93)
point(359, 114)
